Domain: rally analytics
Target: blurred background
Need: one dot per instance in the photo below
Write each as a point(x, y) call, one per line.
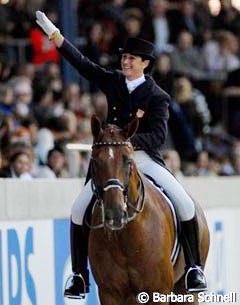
point(45, 105)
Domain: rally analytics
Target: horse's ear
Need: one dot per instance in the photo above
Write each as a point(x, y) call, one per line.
point(130, 129)
point(96, 126)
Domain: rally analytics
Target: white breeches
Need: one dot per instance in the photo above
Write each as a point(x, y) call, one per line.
point(182, 201)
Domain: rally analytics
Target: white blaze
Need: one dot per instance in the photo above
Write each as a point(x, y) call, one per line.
point(111, 153)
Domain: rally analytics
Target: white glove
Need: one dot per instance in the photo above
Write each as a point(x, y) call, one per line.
point(48, 27)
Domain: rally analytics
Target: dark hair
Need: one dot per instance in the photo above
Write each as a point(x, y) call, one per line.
point(57, 124)
point(150, 66)
point(55, 148)
point(13, 158)
point(27, 122)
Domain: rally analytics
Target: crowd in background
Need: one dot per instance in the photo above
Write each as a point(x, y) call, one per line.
point(198, 64)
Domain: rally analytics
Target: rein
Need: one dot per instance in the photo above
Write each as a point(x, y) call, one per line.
point(98, 190)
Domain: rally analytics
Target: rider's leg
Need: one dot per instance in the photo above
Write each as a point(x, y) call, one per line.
point(182, 201)
point(195, 279)
point(78, 283)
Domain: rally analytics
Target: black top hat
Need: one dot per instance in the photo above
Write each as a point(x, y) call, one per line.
point(140, 47)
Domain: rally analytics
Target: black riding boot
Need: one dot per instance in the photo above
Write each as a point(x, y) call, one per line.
point(195, 280)
point(78, 283)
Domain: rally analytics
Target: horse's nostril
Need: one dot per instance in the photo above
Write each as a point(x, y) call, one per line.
point(109, 215)
point(115, 217)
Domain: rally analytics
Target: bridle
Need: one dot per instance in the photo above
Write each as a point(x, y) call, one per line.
point(123, 186)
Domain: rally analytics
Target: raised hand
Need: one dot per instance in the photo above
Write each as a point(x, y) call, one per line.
point(47, 26)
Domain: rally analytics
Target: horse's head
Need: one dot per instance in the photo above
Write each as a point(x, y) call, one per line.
point(111, 169)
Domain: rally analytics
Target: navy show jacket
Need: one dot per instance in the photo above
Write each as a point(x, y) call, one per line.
point(123, 106)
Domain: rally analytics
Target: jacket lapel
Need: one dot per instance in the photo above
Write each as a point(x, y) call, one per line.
point(140, 95)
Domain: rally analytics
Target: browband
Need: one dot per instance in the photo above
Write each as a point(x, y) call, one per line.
point(121, 143)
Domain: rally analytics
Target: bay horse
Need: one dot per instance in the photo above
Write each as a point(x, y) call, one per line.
point(133, 231)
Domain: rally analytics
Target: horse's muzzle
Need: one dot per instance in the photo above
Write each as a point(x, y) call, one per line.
point(115, 221)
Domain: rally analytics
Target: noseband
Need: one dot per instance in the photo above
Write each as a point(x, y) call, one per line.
point(98, 190)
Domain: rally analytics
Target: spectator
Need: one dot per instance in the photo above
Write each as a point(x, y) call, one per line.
point(187, 20)
point(56, 166)
point(71, 122)
point(79, 160)
point(199, 115)
point(226, 166)
point(43, 50)
point(42, 106)
point(206, 165)
point(52, 74)
point(133, 23)
point(20, 134)
point(88, 11)
point(190, 111)
point(19, 20)
point(187, 59)
point(72, 96)
point(48, 93)
point(220, 53)
point(5, 67)
point(20, 166)
point(173, 162)
point(163, 73)
point(99, 103)
point(31, 125)
point(6, 101)
point(83, 134)
point(8, 125)
point(27, 70)
point(22, 96)
point(218, 142)
point(204, 15)
point(159, 29)
point(228, 17)
point(80, 104)
point(54, 132)
point(85, 107)
point(112, 19)
point(93, 47)
point(113, 13)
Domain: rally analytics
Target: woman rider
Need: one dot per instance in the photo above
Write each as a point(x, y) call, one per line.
point(130, 92)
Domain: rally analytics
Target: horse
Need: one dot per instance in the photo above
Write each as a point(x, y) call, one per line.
point(132, 228)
